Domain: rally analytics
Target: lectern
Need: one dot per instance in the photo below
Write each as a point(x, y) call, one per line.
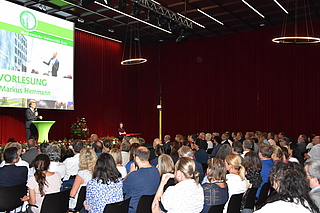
point(43, 129)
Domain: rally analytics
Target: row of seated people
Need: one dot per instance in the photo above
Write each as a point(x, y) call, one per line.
point(143, 179)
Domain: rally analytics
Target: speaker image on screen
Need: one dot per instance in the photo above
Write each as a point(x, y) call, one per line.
point(122, 4)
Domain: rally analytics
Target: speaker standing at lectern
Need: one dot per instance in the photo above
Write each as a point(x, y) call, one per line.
point(31, 115)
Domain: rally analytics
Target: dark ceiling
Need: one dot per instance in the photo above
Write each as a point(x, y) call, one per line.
point(235, 15)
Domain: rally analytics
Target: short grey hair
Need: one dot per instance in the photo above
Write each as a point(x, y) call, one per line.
point(17, 145)
point(314, 169)
point(185, 151)
point(54, 152)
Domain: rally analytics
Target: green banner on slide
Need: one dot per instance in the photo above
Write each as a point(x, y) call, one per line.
point(57, 38)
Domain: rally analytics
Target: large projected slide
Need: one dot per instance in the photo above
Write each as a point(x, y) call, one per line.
point(36, 58)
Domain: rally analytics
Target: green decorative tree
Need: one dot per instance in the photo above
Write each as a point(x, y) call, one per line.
point(79, 129)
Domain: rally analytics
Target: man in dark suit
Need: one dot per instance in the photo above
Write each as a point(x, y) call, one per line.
point(31, 153)
point(11, 174)
point(167, 144)
point(31, 115)
point(54, 63)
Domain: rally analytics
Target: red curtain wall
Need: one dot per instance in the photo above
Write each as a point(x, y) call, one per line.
point(238, 82)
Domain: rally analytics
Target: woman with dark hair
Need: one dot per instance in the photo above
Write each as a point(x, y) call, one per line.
point(252, 165)
point(224, 150)
point(43, 182)
point(174, 151)
point(131, 155)
point(290, 182)
point(158, 151)
point(216, 190)
point(186, 196)
point(106, 185)
point(217, 141)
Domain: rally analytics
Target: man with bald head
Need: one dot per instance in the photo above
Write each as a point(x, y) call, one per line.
point(167, 144)
point(143, 179)
point(155, 143)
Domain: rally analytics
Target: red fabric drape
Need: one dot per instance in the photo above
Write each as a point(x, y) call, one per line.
point(238, 82)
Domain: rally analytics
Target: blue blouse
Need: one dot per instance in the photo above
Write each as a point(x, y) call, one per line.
point(99, 194)
point(214, 195)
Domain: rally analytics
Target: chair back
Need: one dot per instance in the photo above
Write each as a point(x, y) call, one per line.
point(251, 198)
point(10, 197)
point(119, 207)
point(235, 203)
point(144, 205)
point(56, 202)
point(81, 198)
point(263, 194)
point(216, 208)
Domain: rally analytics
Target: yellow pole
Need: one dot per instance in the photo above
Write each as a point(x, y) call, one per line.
point(160, 120)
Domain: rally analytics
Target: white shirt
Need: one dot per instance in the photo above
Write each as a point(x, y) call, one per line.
point(244, 153)
point(122, 170)
point(186, 196)
point(210, 144)
point(283, 207)
point(125, 158)
point(235, 186)
point(72, 166)
point(57, 167)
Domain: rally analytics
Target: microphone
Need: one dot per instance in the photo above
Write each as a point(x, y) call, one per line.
point(35, 110)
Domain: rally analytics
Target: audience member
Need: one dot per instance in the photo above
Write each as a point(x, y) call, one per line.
point(116, 154)
point(252, 165)
point(277, 154)
point(142, 142)
point(166, 165)
point(93, 138)
point(72, 163)
point(10, 173)
point(134, 140)
point(87, 162)
point(284, 141)
point(106, 145)
point(178, 138)
point(236, 180)
point(225, 139)
point(143, 179)
point(271, 138)
point(167, 144)
point(265, 152)
point(124, 148)
point(106, 185)
point(291, 152)
point(313, 173)
point(159, 150)
point(237, 149)
point(43, 182)
point(186, 151)
point(31, 153)
point(209, 143)
point(290, 182)
point(217, 141)
point(174, 151)
point(224, 150)
point(314, 153)
point(239, 137)
point(133, 147)
point(216, 189)
point(43, 148)
point(186, 196)
point(98, 147)
point(155, 143)
point(200, 155)
point(247, 146)
point(54, 153)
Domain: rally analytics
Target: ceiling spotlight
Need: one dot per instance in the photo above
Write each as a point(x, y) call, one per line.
point(111, 30)
point(80, 20)
point(182, 37)
point(152, 16)
point(136, 9)
point(162, 22)
point(173, 25)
